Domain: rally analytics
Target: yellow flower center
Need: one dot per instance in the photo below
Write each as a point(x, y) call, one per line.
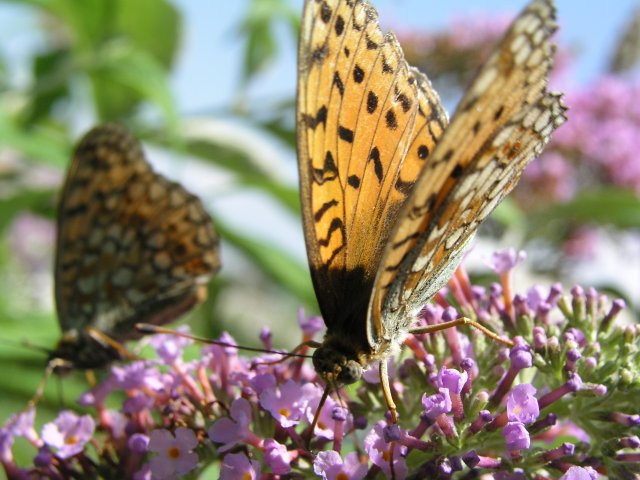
point(322, 426)
point(284, 412)
point(71, 440)
point(342, 476)
point(173, 453)
point(246, 476)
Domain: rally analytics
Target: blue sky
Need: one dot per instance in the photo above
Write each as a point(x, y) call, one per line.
point(209, 67)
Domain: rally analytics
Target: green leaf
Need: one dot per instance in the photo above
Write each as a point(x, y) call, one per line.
point(124, 77)
point(278, 122)
point(616, 207)
point(151, 25)
point(275, 263)
point(88, 23)
point(249, 172)
point(52, 73)
point(509, 214)
point(38, 144)
point(37, 201)
point(258, 29)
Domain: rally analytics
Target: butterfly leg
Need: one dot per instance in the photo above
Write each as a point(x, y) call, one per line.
point(462, 321)
point(386, 389)
point(391, 405)
point(52, 366)
point(316, 417)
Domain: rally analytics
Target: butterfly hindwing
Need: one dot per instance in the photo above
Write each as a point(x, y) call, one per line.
point(503, 122)
point(366, 124)
point(132, 246)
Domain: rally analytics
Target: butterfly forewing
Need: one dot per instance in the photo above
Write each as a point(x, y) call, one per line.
point(367, 122)
point(132, 246)
point(504, 120)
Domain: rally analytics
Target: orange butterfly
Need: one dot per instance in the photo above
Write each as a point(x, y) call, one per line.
point(391, 194)
point(132, 247)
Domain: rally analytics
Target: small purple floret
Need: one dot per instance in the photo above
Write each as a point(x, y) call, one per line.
point(516, 436)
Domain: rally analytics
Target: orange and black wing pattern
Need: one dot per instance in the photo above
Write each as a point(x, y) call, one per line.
point(132, 246)
point(367, 123)
point(502, 123)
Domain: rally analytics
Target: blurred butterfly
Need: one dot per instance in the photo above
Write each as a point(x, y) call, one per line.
point(391, 193)
point(132, 247)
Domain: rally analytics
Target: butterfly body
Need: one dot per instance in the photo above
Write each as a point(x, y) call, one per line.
point(132, 247)
point(392, 193)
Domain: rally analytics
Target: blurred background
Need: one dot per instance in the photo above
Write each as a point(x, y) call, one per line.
point(209, 87)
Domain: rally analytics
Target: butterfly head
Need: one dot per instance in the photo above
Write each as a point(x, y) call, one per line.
point(335, 366)
point(80, 349)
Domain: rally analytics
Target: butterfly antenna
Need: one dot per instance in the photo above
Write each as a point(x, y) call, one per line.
point(149, 329)
point(316, 417)
point(26, 344)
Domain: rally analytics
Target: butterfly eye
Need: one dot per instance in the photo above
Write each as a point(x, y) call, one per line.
point(325, 359)
point(351, 372)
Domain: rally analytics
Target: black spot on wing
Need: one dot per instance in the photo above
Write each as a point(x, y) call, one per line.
point(325, 12)
point(336, 226)
point(403, 187)
point(391, 120)
point(345, 134)
point(339, 26)
point(358, 74)
point(418, 211)
point(405, 102)
point(457, 171)
point(324, 208)
point(372, 102)
point(328, 172)
point(319, 54)
point(371, 45)
point(337, 81)
point(386, 68)
point(399, 243)
point(80, 209)
point(354, 181)
point(423, 152)
point(374, 156)
point(313, 121)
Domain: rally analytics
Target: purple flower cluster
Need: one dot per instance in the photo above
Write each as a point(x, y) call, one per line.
point(561, 403)
point(603, 132)
point(598, 147)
